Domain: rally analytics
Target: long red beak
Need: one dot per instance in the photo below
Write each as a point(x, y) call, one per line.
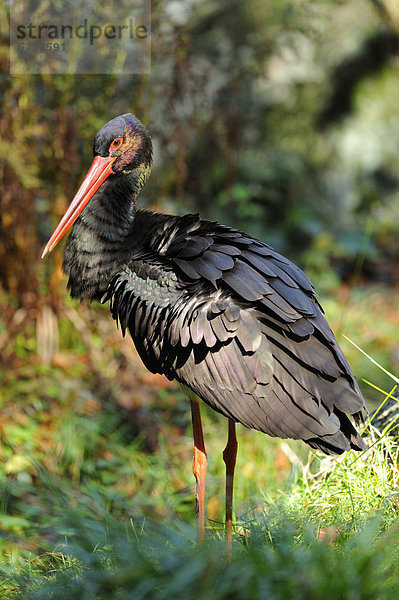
point(100, 169)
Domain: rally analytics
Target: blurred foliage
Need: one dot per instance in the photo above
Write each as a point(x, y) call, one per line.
point(280, 557)
point(280, 118)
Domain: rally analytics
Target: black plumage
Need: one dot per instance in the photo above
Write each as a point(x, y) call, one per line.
point(255, 345)
point(211, 307)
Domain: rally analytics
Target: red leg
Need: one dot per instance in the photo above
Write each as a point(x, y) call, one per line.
point(199, 467)
point(229, 457)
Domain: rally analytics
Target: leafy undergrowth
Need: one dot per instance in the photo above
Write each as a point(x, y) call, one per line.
point(277, 560)
point(334, 536)
point(281, 555)
point(97, 492)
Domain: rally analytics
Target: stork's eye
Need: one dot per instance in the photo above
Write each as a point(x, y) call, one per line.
point(115, 144)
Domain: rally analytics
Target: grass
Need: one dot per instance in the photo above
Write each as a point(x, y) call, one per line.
point(98, 496)
point(281, 555)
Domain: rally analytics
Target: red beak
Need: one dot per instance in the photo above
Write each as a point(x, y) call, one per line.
point(100, 169)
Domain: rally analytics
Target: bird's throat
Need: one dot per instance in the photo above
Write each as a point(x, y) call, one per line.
point(100, 240)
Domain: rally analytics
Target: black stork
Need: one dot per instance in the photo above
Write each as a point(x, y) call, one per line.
point(234, 322)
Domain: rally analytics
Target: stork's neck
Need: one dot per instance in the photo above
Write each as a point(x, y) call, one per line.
point(111, 210)
point(100, 240)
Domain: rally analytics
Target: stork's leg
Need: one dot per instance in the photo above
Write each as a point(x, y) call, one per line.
point(199, 466)
point(229, 457)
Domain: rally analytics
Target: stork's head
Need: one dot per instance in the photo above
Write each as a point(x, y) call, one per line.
point(122, 148)
point(124, 143)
